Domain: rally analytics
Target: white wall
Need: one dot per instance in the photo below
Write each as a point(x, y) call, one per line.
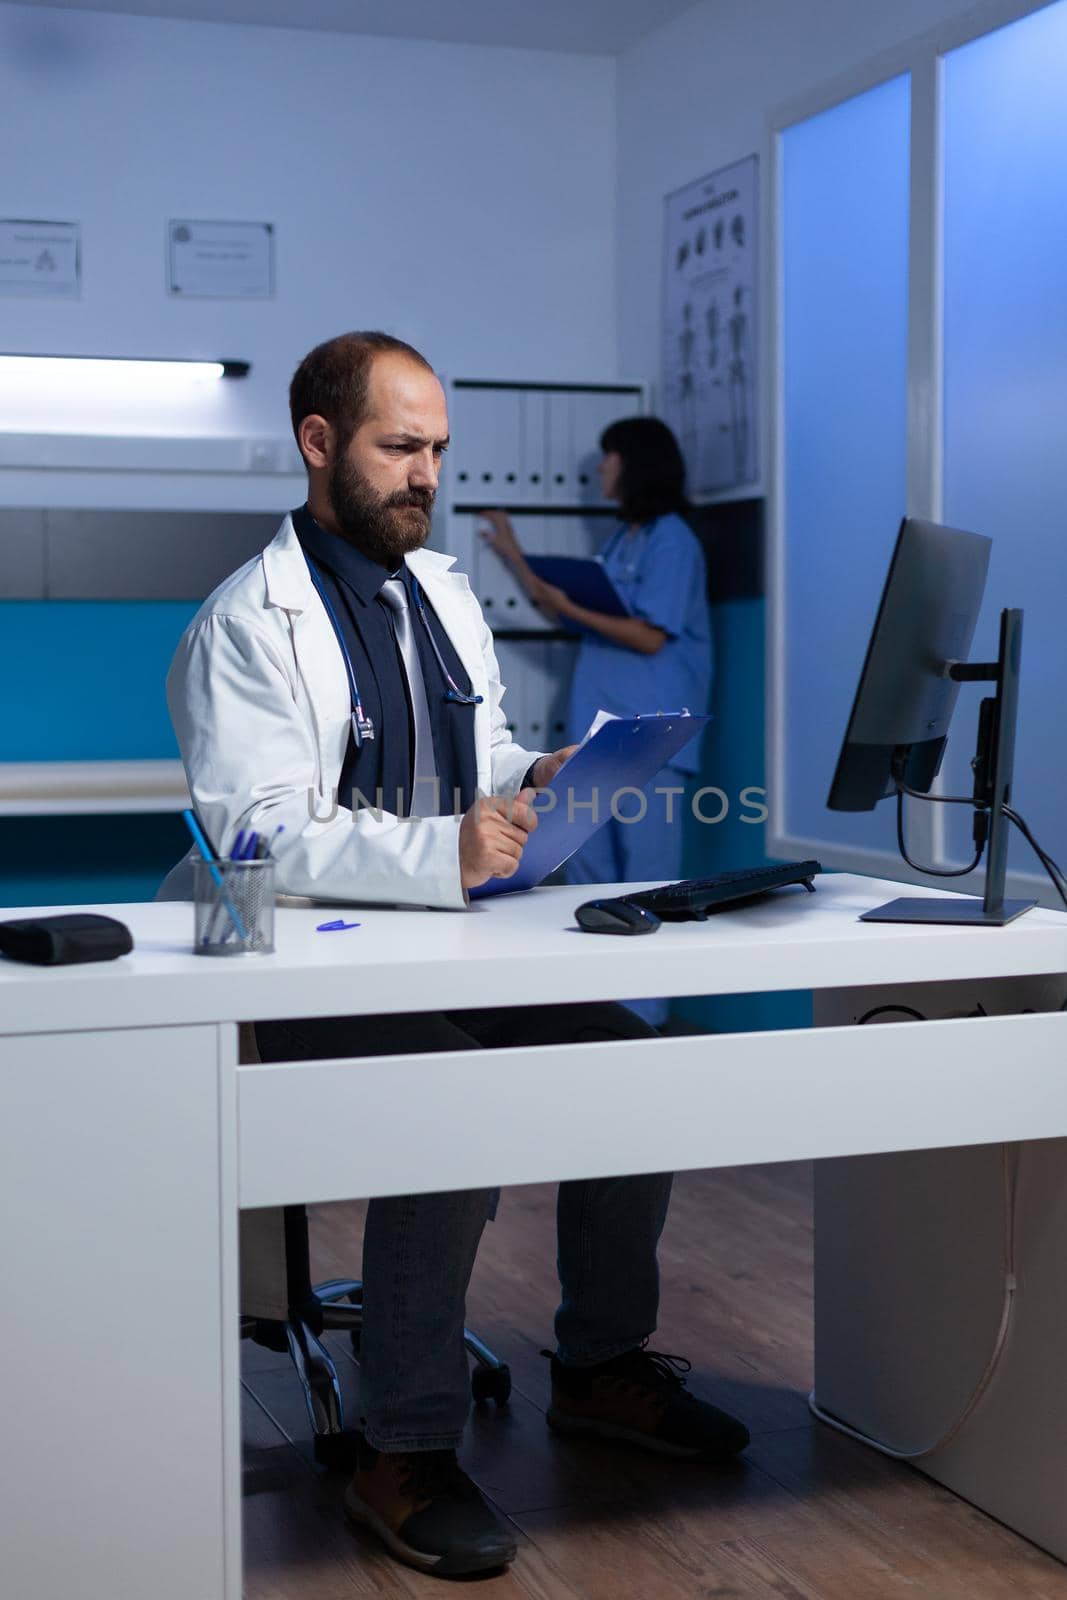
point(462, 197)
point(698, 93)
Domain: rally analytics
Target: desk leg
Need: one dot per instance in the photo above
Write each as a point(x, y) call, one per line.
point(909, 1291)
point(119, 1324)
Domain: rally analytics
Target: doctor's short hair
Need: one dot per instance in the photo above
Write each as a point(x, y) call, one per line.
point(333, 379)
point(652, 478)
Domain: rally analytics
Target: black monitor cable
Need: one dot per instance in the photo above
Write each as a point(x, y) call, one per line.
point(981, 829)
point(1059, 881)
point(1055, 873)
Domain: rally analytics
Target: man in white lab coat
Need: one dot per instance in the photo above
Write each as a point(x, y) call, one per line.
point(343, 686)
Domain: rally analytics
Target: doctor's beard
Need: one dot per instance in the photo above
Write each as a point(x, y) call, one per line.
point(384, 527)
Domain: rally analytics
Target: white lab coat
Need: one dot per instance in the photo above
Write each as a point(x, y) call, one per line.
point(260, 702)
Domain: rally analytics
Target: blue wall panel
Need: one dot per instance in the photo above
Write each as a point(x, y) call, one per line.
point(83, 680)
point(86, 860)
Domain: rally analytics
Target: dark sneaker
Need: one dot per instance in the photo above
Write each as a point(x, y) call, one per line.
point(427, 1511)
point(641, 1397)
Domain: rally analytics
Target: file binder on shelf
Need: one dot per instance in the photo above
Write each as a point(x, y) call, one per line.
point(619, 753)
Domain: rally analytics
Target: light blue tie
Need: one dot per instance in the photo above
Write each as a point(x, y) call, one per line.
point(424, 786)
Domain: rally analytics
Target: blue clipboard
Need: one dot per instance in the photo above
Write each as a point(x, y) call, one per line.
point(625, 753)
point(585, 581)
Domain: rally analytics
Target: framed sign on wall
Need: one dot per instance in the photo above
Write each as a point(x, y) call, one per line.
point(220, 260)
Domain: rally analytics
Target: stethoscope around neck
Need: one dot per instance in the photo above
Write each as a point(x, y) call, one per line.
point(362, 725)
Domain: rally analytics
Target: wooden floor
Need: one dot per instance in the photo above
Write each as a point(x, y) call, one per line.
point(805, 1515)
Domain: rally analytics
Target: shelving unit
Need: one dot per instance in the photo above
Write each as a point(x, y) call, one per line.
point(529, 449)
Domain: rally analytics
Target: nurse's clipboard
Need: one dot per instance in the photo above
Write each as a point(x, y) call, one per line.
point(617, 753)
point(586, 582)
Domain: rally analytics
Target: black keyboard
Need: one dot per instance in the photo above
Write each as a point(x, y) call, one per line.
point(693, 898)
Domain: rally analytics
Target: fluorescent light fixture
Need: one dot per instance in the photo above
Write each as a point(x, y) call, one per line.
point(115, 373)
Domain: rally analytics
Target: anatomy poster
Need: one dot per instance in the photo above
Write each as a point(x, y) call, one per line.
point(709, 327)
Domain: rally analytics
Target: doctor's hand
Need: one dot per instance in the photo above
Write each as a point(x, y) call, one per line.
point(546, 767)
point(492, 835)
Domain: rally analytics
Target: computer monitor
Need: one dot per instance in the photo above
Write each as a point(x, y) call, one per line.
point(915, 663)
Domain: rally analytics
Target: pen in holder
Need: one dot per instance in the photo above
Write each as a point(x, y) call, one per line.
point(234, 907)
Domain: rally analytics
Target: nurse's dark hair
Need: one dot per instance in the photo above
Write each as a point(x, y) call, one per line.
point(652, 481)
point(332, 380)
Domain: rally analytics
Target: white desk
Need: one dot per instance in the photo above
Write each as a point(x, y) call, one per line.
point(129, 1136)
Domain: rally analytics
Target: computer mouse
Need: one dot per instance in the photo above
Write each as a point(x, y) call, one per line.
point(615, 916)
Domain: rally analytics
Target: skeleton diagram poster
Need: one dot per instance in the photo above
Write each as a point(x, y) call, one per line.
point(709, 344)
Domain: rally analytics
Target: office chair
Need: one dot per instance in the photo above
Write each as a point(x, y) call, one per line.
point(283, 1310)
point(293, 1322)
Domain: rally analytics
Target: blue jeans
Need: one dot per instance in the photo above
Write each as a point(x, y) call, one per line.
point(418, 1250)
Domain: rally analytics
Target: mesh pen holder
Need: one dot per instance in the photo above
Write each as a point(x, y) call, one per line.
point(234, 907)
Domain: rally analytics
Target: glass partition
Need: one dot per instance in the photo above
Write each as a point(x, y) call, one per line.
point(1005, 382)
point(844, 186)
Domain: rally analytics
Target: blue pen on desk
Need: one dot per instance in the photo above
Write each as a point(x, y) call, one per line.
point(209, 856)
point(335, 927)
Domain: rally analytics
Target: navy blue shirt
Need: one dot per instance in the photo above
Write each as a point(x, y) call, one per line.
point(381, 768)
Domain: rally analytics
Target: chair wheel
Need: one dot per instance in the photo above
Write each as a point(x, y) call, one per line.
point(491, 1383)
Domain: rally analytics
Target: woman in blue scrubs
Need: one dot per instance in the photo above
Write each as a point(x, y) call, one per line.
point(657, 659)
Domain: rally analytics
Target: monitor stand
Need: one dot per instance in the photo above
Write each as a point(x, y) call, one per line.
point(966, 912)
point(993, 761)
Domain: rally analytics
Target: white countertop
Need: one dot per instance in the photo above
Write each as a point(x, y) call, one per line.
point(522, 949)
